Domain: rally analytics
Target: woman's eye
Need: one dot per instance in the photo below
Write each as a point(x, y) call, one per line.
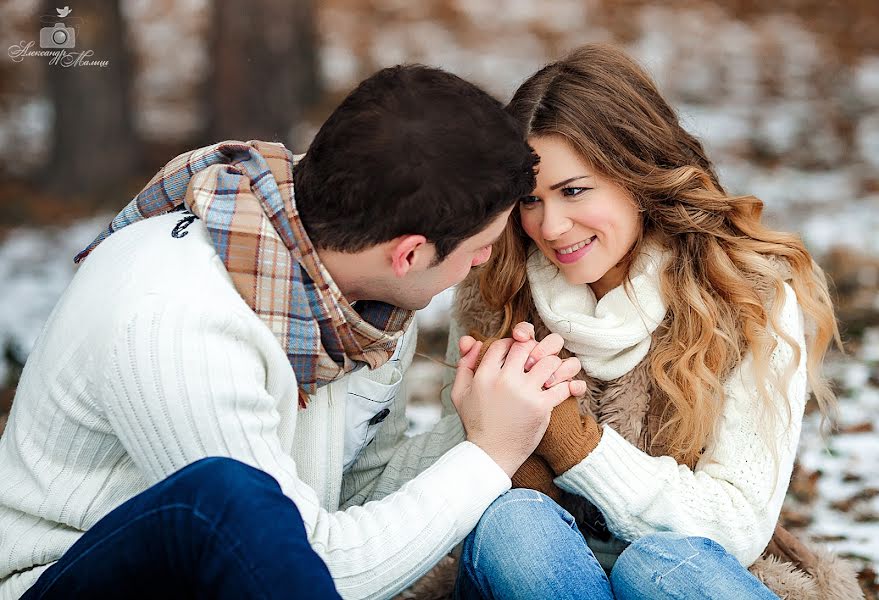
point(528, 201)
point(574, 191)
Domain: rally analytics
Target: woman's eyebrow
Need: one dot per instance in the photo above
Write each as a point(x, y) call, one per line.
point(566, 181)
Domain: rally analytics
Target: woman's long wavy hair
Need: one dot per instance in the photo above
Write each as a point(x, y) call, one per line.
point(723, 270)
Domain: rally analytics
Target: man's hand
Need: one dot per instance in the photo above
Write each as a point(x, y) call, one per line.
point(551, 344)
point(504, 408)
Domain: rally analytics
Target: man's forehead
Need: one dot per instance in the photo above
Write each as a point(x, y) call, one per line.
point(492, 232)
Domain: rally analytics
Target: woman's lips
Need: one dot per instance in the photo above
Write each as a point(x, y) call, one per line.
point(577, 254)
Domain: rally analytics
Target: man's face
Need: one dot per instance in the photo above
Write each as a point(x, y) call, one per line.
point(418, 287)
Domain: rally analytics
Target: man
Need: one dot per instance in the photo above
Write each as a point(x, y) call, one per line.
point(175, 342)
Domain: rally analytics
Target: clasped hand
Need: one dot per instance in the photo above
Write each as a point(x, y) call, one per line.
point(505, 403)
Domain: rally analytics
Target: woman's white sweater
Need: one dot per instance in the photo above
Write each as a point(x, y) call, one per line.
point(151, 360)
point(734, 494)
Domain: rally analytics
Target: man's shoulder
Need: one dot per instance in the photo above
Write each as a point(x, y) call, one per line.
point(171, 253)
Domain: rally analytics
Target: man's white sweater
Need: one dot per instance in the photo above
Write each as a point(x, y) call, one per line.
point(151, 360)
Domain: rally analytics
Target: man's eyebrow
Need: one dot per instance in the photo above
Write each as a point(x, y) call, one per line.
point(566, 181)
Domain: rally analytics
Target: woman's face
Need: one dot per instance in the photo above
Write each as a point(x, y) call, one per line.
point(582, 222)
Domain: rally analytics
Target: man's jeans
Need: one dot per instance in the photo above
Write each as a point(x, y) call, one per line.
point(526, 546)
point(215, 529)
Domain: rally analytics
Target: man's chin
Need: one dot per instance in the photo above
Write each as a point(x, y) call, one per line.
point(412, 303)
point(416, 306)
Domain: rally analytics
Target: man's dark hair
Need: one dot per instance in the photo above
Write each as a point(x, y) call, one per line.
point(412, 150)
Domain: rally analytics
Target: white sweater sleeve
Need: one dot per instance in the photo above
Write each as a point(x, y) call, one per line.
point(734, 494)
point(186, 382)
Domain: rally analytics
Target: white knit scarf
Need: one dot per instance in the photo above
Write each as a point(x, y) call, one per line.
point(609, 336)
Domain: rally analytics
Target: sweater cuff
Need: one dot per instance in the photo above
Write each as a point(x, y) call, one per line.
point(570, 450)
point(468, 480)
point(614, 476)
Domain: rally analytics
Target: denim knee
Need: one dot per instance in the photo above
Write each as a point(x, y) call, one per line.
point(519, 503)
point(511, 510)
point(218, 477)
point(527, 546)
point(671, 565)
point(522, 518)
point(662, 546)
point(661, 556)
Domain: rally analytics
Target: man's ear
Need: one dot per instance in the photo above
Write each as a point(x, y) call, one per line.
point(406, 251)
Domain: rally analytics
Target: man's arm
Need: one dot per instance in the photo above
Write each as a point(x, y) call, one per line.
point(184, 382)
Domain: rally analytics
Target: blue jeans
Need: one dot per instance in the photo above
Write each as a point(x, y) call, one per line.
point(214, 529)
point(527, 546)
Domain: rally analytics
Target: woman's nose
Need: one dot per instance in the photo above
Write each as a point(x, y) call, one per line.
point(555, 224)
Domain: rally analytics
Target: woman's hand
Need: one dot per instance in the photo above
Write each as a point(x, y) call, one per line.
point(551, 344)
point(569, 438)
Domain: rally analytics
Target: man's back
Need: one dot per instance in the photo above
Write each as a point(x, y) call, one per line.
point(61, 459)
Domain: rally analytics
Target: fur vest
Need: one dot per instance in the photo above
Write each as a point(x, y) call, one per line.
point(789, 567)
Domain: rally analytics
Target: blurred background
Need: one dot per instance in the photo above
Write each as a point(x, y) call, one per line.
point(784, 94)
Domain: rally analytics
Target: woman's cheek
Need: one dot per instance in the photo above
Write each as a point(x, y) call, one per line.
point(530, 224)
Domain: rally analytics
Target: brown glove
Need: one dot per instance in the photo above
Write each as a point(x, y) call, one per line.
point(535, 474)
point(569, 438)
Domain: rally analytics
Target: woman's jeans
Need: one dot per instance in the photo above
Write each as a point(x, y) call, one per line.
point(215, 529)
point(526, 546)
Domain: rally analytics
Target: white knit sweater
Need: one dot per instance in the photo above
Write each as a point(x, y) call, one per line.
point(734, 494)
point(151, 360)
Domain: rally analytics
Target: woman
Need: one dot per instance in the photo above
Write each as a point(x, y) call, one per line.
point(700, 332)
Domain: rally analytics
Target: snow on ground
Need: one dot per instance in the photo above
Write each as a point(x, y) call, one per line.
point(845, 511)
point(36, 264)
point(814, 180)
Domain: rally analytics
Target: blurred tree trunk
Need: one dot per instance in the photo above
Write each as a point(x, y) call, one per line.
point(94, 145)
point(264, 69)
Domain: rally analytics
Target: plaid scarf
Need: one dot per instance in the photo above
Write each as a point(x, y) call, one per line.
point(244, 194)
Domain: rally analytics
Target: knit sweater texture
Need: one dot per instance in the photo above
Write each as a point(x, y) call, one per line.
point(734, 493)
point(151, 360)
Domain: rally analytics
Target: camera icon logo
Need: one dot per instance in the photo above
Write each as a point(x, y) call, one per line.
point(58, 36)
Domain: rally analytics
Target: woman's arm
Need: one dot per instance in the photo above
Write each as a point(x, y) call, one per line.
point(734, 494)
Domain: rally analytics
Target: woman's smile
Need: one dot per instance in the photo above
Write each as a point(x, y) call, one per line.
point(572, 254)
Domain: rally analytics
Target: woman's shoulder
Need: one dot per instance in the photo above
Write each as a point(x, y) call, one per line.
point(790, 314)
